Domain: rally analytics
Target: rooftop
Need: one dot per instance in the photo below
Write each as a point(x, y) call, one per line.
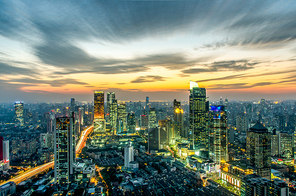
point(258, 127)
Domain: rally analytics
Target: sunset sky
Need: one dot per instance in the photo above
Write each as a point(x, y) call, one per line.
point(55, 50)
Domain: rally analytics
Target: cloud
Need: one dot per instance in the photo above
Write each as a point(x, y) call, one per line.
point(12, 70)
point(53, 83)
point(87, 64)
point(239, 85)
point(216, 45)
point(239, 65)
point(148, 78)
point(236, 76)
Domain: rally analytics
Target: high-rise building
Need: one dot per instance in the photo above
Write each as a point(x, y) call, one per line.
point(168, 127)
point(274, 143)
point(64, 150)
point(242, 123)
point(1, 148)
point(110, 101)
point(19, 113)
point(81, 115)
point(147, 104)
point(178, 120)
point(121, 110)
point(99, 120)
point(157, 139)
point(128, 154)
point(218, 147)
point(113, 114)
point(131, 122)
point(221, 101)
point(286, 144)
point(198, 110)
point(72, 106)
point(258, 147)
point(46, 140)
point(152, 118)
point(6, 153)
point(144, 121)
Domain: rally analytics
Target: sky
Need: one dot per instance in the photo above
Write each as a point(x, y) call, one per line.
point(55, 50)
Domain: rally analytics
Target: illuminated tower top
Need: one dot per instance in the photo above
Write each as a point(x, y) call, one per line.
point(193, 85)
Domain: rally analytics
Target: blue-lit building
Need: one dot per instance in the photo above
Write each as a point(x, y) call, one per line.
point(218, 148)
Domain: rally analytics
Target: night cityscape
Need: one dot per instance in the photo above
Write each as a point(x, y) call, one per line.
point(136, 98)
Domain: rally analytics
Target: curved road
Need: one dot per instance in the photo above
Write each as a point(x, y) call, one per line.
point(36, 170)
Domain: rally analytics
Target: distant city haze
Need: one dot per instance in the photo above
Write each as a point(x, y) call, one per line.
point(52, 51)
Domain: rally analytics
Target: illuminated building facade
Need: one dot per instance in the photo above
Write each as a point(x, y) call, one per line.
point(218, 142)
point(121, 110)
point(19, 113)
point(152, 118)
point(64, 150)
point(198, 110)
point(178, 120)
point(113, 114)
point(99, 120)
point(110, 101)
point(131, 122)
point(259, 150)
point(233, 172)
point(286, 144)
point(168, 127)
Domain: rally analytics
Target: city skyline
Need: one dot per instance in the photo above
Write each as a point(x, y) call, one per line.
point(238, 50)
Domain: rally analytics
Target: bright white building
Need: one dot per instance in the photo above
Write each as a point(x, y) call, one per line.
point(128, 154)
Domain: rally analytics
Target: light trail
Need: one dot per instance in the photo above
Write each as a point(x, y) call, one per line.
point(39, 169)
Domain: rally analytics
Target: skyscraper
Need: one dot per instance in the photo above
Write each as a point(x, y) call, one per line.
point(218, 149)
point(131, 122)
point(168, 127)
point(64, 150)
point(147, 103)
point(72, 107)
point(178, 120)
point(259, 149)
point(152, 118)
point(99, 120)
point(121, 110)
point(6, 153)
point(19, 113)
point(198, 109)
point(128, 154)
point(113, 114)
point(157, 138)
point(110, 101)
point(1, 148)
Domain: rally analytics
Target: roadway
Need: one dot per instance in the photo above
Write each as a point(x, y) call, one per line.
point(39, 169)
